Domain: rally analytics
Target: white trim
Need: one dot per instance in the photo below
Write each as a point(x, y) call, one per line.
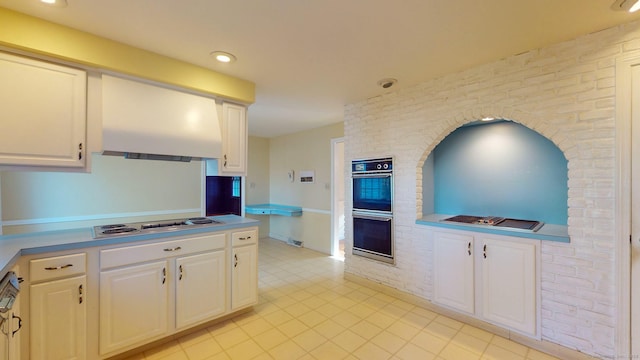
point(317, 211)
point(624, 88)
point(96, 217)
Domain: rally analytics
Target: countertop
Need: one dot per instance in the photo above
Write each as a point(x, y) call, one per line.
point(549, 232)
point(14, 246)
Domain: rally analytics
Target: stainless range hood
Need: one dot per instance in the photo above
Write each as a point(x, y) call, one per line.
point(145, 121)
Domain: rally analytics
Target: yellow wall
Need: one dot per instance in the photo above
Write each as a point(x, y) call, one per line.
point(257, 180)
point(307, 150)
point(26, 33)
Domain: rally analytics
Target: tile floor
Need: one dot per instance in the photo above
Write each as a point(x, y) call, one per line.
point(308, 311)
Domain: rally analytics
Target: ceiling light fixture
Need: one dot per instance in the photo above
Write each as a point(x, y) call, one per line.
point(488, 118)
point(387, 83)
point(223, 56)
point(626, 5)
point(55, 3)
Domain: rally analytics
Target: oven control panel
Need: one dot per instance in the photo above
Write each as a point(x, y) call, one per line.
point(372, 165)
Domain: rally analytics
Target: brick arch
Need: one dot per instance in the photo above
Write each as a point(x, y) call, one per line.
point(534, 122)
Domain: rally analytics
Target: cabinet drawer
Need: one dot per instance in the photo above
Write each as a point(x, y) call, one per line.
point(147, 252)
point(244, 237)
point(57, 267)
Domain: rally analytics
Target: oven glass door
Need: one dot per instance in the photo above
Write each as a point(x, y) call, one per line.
point(373, 236)
point(373, 192)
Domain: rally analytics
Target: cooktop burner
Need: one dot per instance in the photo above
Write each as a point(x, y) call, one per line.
point(111, 230)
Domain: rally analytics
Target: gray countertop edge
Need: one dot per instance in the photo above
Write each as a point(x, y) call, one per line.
point(548, 232)
point(14, 246)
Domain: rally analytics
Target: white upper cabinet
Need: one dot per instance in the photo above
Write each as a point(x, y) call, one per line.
point(43, 112)
point(234, 140)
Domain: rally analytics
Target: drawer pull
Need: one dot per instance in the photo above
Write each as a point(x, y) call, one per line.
point(235, 258)
point(80, 290)
point(58, 267)
point(13, 333)
point(181, 272)
point(245, 238)
point(164, 275)
point(173, 249)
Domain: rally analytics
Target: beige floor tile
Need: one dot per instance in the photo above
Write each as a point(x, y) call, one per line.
point(293, 328)
point(263, 356)
point(309, 340)
point(441, 330)
point(449, 322)
point(270, 339)
point(287, 351)
point(349, 340)
point(278, 317)
point(256, 327)
point(430, 342)
point(478, 333)
point(312, 318)
point(222, 327)
point(175, 356)
point(329, 328)
point(328, 351)
point(413, 352)
point(245, 350)
point(194, 338)
point(538, 355)
point(220, 356)
point(494, 352)
point(329, 309)
point(454, 352)
point(163, 350)
point(347, 319)
point(381, 320)
point(403, 329)
point(297, 309)
point(203, 349)
point(231, 338)
point(470, 343)
point(366, 329)
point(512, 346)
point(389, 342)
point(370, 351)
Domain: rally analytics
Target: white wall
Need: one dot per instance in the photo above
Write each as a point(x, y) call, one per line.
point(565, 92)
point(307, 150)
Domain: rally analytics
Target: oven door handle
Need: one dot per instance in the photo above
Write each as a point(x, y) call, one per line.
point(374, 175)
point(372, 217)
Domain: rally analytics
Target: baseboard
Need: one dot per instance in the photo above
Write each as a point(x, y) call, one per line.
point(540, 345)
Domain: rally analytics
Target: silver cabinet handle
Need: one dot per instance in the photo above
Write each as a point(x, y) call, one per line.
point(58, 267)
point(80, 293)
point(180, 269)
point(164, 275)
point(469, 248)
point(173, 249)
point(235, 257)
point(484, 251)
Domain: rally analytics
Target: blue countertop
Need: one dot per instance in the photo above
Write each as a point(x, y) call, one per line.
point(273, 209)
point(14, 246)
point(549, 232)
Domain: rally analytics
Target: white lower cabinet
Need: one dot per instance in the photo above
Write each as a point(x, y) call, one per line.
point(200, 287)
point(133, 305)
point(491, 277)
point(58, 310)
point(153, 290)
point(244, 271)
point(453, 271)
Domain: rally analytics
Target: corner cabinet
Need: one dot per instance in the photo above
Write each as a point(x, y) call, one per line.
point(43, 108)
point(491, 277)
point(234, 140)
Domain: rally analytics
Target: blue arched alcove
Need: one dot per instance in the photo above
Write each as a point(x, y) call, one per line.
point(500, 168)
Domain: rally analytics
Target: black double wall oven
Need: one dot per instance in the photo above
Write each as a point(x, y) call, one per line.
point(372, 181)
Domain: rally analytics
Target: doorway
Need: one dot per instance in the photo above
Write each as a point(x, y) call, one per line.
point(337, 198)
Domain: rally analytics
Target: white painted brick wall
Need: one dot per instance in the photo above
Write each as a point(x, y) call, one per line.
point(565, 92)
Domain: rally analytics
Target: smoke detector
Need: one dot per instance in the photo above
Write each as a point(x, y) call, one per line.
point(387, 83)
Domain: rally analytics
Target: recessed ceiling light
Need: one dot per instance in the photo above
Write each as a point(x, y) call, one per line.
point(626, 5)
point(223, 56)
point(56, 3)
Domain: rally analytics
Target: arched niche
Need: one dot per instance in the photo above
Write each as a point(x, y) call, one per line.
point(498, 168)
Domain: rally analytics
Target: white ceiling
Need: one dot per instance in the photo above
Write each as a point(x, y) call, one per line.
point(308, 58)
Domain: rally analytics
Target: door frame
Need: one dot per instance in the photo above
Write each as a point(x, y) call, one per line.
point(625, 87)
point(334, 206)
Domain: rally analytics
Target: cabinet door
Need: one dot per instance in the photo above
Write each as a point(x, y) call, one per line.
point(244, 276)
point(43, 112)
point(58, 319)
point(453, 271)
point(509, 283)
point(234, 140)
point(133, 305)
point(200, 288)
